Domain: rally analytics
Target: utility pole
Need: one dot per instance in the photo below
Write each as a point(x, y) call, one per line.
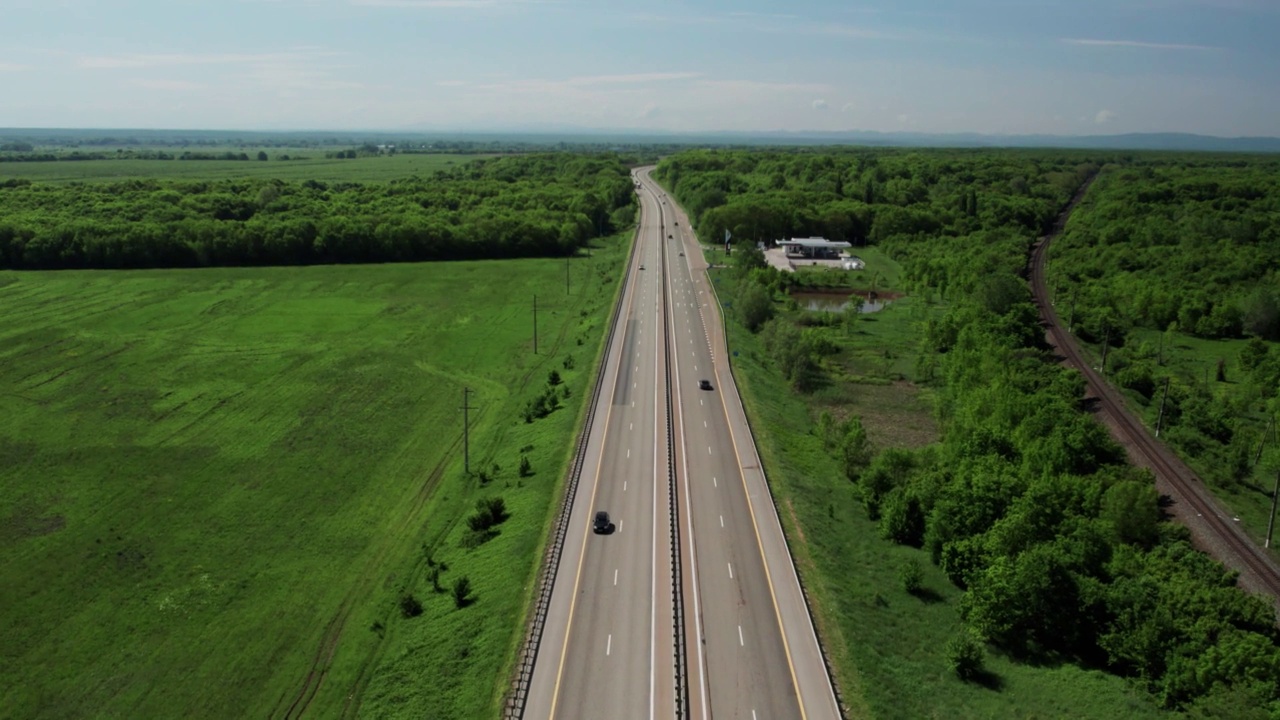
point(1275, 493)
point(466, 430)
point(566, 274)
point(1270, 429)
point(1160, 417)
point(1106, 341)
point(535, 324)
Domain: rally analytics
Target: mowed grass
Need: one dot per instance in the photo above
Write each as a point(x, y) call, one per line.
point(887, 645)
point(216, 485)
point(314, 167)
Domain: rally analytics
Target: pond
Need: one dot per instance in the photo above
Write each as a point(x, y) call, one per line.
point(838, 300)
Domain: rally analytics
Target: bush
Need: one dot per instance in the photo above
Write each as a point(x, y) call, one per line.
point(965, 654)
point(912, 576)
point(410, 607)
point(462, 592)
point(526, 469)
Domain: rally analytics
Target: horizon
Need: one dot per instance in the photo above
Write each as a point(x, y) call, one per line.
point(985, 67)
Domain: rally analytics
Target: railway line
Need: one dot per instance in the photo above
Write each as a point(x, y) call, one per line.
point(1258, 570)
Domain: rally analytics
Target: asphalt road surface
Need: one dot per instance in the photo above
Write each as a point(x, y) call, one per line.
point(608, 648)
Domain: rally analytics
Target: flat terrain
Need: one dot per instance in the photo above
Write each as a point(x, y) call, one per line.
point(303, 165)
point(886, 644)
point(216, 485)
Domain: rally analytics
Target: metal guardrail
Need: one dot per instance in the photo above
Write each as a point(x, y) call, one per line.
point(677, 584)
point(518, 695)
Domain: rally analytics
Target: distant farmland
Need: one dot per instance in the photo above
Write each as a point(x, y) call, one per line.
point(303, 165)
point(216, 485)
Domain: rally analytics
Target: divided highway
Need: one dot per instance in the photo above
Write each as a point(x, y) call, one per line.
point(609, 644)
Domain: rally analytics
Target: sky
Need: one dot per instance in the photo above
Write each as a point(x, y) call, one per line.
point(1073, 67)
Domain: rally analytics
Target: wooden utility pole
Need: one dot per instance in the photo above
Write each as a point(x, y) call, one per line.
point(466, 430)
point(535, 324)
point(1160, 417)
point(1271, 522)
point(1106, 341)
point(1271, 427)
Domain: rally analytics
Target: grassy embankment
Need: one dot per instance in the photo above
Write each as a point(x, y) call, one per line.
point(303, 165)
point(887, 645)
point(215, 482)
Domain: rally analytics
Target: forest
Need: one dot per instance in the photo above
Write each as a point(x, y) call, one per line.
point(1026, 503)
point(1174, 269)
point(519, 206)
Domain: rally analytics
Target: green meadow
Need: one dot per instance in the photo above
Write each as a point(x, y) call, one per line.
point(302, 165)
point(219, 487)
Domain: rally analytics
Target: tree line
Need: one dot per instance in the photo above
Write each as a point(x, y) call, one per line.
point(1026, 503)
point(520, 206)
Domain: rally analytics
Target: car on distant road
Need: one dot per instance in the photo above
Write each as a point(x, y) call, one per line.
point(602, 524)
point(704, 384)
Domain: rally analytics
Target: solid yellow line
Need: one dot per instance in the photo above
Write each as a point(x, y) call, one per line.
point(564, 650)
point(786, 647)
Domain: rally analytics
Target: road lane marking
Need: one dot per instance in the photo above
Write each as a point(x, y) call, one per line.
point(740, 642)
point(731, 572)
point(633, 426)
point(721, 525)
point(582, 554)
point(700, 402)
point(615, 576)
point(628, 452)
point(704, 423)
point(708, 449)
point(624, 486)
point(608, 648)
point(713, 482)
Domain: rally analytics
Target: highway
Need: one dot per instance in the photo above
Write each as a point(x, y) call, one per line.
point(609, 646)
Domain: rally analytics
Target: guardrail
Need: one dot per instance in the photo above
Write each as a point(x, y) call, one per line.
point(519, 692)
point(677, 575)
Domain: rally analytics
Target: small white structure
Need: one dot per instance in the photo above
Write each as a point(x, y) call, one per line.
point(813, 248)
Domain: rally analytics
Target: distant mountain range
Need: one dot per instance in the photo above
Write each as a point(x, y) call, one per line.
point(565, 135)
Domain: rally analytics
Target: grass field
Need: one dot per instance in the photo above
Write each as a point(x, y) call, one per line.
point(216, 485)
point(887, 645)
point(314, 167)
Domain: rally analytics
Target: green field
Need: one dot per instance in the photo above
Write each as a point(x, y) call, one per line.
point(216, 485)
point(302, 166)
point(887, 645)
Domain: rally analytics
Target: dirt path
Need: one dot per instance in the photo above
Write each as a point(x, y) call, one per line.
point(1212, 528)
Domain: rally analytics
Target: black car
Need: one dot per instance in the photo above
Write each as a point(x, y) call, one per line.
point(704, 384)
point(603, 524)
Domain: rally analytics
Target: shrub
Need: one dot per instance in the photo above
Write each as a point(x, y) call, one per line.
point(410, 607)
point(912, 576)
point(965, 654)
point(526, 469)
point(462, 592)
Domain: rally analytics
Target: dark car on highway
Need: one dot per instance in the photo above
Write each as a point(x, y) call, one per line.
point(704, 384)
point(603, 524)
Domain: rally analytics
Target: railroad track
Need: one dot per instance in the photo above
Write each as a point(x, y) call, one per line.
point(1243, 554)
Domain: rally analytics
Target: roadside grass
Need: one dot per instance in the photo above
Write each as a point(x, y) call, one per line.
point(215, 482)
point(301, 166)
point(887, 646)
point(881, 272)
point(1195, 360)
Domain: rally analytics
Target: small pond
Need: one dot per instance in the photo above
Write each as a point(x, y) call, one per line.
point(838, 301)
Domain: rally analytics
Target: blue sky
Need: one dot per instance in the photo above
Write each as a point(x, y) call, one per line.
point(990, 66)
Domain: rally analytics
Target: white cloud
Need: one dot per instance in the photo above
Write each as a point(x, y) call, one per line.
point(848, 107)
point(651, 111)
point(629, 79)
point(451, 83)
point(12, 67)
point(1136, 44)
point(1103, 117)
point(820, 104)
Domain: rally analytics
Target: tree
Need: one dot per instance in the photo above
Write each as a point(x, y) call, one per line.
point(855, 448)
point(912, 576)
point(1133, 511)
point(755, 307)
point(262, 155)
point(410, 606)
point(462, 592)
